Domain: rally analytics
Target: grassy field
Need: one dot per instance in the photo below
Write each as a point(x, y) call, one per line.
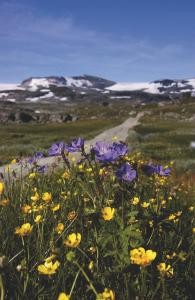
point(23, 140)
point(90, 232)
point(105, 228)
point(165, 133)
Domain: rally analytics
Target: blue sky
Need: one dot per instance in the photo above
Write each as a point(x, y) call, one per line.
point(123, 40)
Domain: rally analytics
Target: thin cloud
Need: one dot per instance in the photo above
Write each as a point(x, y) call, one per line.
point(33, 41)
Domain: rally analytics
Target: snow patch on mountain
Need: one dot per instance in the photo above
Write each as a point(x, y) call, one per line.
point(149, 87)
point(35, 99)
point(10, 86)
point(79, 83)
point(165, 86)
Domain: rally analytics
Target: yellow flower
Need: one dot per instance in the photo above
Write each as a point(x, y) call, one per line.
point(73, 240)
point(13, 161)
point(114, 138)
point(171, 256)
point(182, 255)
point(92, 250)
point(59, 228)
point(4, 202)
point(164, 202)
point(24, 230)
point(48, 268)
point(165, 270)
point(193, 230)
point(191, 208)
point(135, 201)
point(152, 200)
point(35, 197)
point(71, 215)
point(47, 197)
point(80, 167)
point(63, 296)
point(32, 175)
point(2, 188)
point(106, 295)
point(171, 217)
point(145, 204)
point(142, 257)
point(66, 175)
point(38, 219)
point(26, 209)
point(91, 265)
point(108, 213)
point(151, 223)
point(55, 207)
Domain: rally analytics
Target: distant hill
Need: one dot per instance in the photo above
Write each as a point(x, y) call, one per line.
point(88, 87)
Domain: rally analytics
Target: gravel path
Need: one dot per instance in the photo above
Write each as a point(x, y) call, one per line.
point(120, 131)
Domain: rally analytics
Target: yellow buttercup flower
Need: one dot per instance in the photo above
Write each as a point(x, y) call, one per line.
point(55, 207)
point(165, 270)
point(59, 228)
point(142, 257)
point(145, 204)
point(135, 201)
point(193, 230)
point(13, 161)
point(63, 296)
point(2, 188)
point(35, 197)
point(4, 202)
point(38, 219)
point(171, 256)
point(108, 213)
point(106, 295)
point(26, 209)
point(24, 230)
point(66, 175)
point(47, 197)
point(71, 215)
point(73, 240)
point(48, 268)
point(191, 208)
point(32, 175)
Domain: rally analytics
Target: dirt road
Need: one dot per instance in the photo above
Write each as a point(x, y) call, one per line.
point(120, 131)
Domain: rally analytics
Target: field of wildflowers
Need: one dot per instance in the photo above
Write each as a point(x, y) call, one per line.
point(108, 225)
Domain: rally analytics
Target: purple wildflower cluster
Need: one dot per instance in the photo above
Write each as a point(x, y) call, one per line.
point(36, 157)
point(126, 173)
point(59, 148)
point(151, 169)
point(109, 152)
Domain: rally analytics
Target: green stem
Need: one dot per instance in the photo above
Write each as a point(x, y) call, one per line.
point(2, 288)
point(87, 278)
point(74, 282)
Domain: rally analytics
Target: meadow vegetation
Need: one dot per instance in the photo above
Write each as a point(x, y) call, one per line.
point(166, 132)
point(112, 225)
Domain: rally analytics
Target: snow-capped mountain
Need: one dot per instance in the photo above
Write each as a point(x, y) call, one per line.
point(85, 87)
point(165, 86)
point(85, 81)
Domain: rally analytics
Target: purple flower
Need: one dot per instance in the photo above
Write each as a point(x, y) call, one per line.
point(151, 169)
point(57, 149)
point(36, 157)
point(148, 169)
point(41, 169)
point(76, 145)
point(109, 152)
point(104, 152)
point(126, 173)
point(120, 148)
point(163, 172)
